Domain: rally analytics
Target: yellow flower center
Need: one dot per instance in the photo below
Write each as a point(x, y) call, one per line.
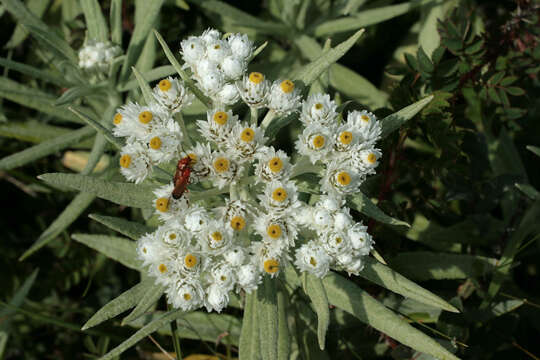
point(117, 119)
point(217, 46)
point(190, 261)
point(221, 165)
point(371, 158)
point(343, 178)
point(144, 250)
point(187, 296)
point(223, 278)
point(287, 86)
point(365, 118)
point(193, 158)
point(125, 160)
point(162, 204)
point(238, 223)
point(155, 143)
point(162, 268)
point(318, 106)
point(274, 231)
point(216, 236)
point(172, 236)
point(247, 135)
point(312, 261)
point(318, 141)
point(145, 117)
point(345, 137)
point(275, 164)
point(271, 266)
point(164, 85)
point(338, 240)
point(279, 194)
point(220, 117)
point(256, 77)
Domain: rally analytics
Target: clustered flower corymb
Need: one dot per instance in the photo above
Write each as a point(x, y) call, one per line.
point(207, 247)
point(98, 56)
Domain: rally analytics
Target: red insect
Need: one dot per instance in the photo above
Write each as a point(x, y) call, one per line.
point(181, 177)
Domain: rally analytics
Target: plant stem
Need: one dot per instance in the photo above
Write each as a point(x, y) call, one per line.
point(176, 341)
point(180, 120)
point(270, 115)
point(254, 116)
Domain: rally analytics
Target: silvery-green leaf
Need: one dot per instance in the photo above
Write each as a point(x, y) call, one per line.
point(284, 337)
point(249, 347)
point(38, 74)
point(131, 229)
point(145, 302)
point(115, 20)
point(117, 248)
point(315, 290)
point(95, 21)
point(267, 316)
point(362, 203)
point(32, 13)
point(155, 74)
point(145, 88)
point(98, 127)
point(396, 120)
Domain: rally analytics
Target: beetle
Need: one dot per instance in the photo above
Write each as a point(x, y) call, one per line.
point(181, 177)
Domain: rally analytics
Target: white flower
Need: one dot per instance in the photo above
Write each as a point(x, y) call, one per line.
point(367, 125)
point(216, 298)
point(248, 277)
point(196, 219)
point(98, 56)
point(350, 263)
point(218, 125)
point(186, 294)
point(137, 121)
point(244, 141)
point(224, 169)
point(232, 67)
point(241, 46)
point(341, 178)
point(228, 95)
point(235, 256)
point(254, 89)
point(201, 161)
point(212, 82)
point(367, 160)
point(361, 241)
point(193, 49)
point(316, 142)
point(210, 35)
point(216, 238)
point(280, 197)
point(267, 258)
point(134, 162)
point(236, 213)
point(173, 235)
point(336, 243)
point(343, 220)
point(312, 258)
point(188, 262)
point(319, 109)
point(167, 207)
point(164, 142)
point(283, 98)
point(217, 50)
point(223, 275)
point(162, 270)
point(172, 94)
point(272, 165)
point(150, 250)
point(279, 232)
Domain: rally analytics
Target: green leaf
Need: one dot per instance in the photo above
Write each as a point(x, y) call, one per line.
point(394, 121)
point(34, 99)
point(117, 248)
point(365, 18)
point(131, 229)
point(45, 148)
point(310, 72)
point(152, 75)
point(241, 19)
point(98, 127)
point(187, 79)
point(347, 296)
point(146, 330)
point(315, 290)
point(529, 191)
point(384, 276)
point(95, 21)
point(77, 92)
point(34, 11)
point(362, 203)
point(284, 338)
point(122, 193)
point(75, 208)
point(514, 91)
point(249, 346)
point(425, 265)
point(35, 73)
point(145, 88)
point(149, 11)
point(150, 297)
point(118, 305)
point(424, 61)
point(534, 149)
point(115, 20)
point(19, 296)
point(267, 315)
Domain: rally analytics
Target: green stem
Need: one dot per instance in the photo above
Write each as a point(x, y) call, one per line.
point(176, 341)
point(180, 120)
point(254, 115)
point(303, 165)
point(270, 115)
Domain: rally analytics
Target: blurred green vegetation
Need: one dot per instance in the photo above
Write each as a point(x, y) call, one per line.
point(464, 173)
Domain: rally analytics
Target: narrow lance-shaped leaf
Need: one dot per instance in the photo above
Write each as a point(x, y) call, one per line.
point(268, 318)
point(95, 22)
point(45, 148)
point(284, 338)
point(122, 193)
point(386, 277)
point(131, 229)
point(145, 302)
point(100, 128)
point(155, 74)
point(75, 208)
point(146, 330)
point(249, 337)
point(38, 74)
point(347, 296)
point(394, 121)
point(116, 248)
point(35, 7)
point(115, 20)
point(143, 84)
point(315, 290)
point(118, 305)
point(362, 203)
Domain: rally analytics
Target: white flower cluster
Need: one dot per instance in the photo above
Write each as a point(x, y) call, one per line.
point(98, 56)
point(152, 135)
point(208, 246)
